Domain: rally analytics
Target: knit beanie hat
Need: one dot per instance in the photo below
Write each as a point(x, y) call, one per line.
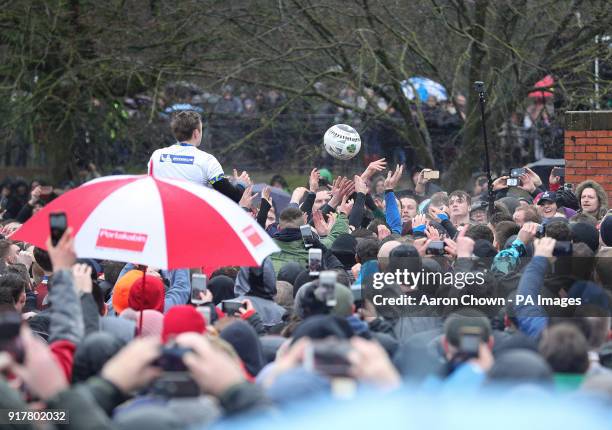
point(181, 319)
point(152, 321)
point(147, 293)
point(121, 292)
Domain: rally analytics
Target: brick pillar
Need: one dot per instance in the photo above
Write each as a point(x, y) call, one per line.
point(588, 148)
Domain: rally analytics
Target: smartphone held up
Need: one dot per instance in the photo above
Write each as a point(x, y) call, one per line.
point(58, 224)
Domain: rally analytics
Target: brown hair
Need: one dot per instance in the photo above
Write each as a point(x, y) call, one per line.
point(503, 231)
point(184, 123)
point(531, 214)
point(461, 195)
point(565, 349)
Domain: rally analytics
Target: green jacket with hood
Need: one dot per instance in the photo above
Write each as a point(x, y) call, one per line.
point(294, 250)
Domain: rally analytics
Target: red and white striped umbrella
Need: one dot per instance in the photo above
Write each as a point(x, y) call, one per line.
point(158, 222)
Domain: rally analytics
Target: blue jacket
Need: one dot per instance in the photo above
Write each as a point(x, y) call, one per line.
point(530, 316)
point(392, 213)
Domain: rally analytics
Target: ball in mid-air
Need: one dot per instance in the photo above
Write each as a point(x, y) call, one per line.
point(342, 141)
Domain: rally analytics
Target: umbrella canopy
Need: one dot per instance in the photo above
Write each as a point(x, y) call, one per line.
point(158, 222)
point(424, 87)
point(543, 84)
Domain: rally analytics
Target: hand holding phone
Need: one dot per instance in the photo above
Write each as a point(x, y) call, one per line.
point(307, 235)
point(431, 174)
point(198, 285)
point(315, 256)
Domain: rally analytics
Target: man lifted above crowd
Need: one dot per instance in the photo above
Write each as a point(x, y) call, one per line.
point(183, 160)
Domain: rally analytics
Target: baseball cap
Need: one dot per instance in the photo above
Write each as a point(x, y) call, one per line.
point(548, 196)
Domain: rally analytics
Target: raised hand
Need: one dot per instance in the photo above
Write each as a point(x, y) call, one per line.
point(432, 233)
point(465, 245)
point(35, 195)
point(528, 232)
point(527, 183)
point(373, 167)
point(360, 185)
point(321, 226)
point(266, 194)
point(313, 180)
point(243, 177)
point(552, 179)
point(213, 369)
point(246, 201)
point(383, 231)
point(297, 194)
point(544, 247)
point(419, 220)
point(500, 183)
point(82, 277)
point(393, 178)
point(62, 255)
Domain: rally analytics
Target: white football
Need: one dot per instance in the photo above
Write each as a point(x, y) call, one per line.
point(342, 142)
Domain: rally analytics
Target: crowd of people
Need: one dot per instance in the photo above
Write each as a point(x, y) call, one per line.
point(118, 132)
point(124, 346)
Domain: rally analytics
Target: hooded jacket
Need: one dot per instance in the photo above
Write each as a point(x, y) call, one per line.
point(258, 284)
point(602, 196)
point(292, 248)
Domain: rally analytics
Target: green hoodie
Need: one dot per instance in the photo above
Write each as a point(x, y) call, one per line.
point(295, 250)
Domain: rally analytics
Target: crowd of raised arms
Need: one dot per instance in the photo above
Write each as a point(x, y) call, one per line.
point(123, 346)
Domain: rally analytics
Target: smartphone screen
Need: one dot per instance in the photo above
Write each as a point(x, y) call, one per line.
point(327, 281)
point(205, 312)
point(198, 285)
point(315, 256)
point(58, 225)
point(431, 174)
point(307, 237)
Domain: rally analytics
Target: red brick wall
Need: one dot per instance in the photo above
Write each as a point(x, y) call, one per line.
point(588, 148)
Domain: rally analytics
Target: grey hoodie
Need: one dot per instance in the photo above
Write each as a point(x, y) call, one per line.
point(258, 284)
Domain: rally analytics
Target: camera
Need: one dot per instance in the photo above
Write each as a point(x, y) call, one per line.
point(175, 381)
point(174, 385)
point(517, 172)
point(230, 307)
point(329, 357)
point(435, 247)
point(171, 358)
